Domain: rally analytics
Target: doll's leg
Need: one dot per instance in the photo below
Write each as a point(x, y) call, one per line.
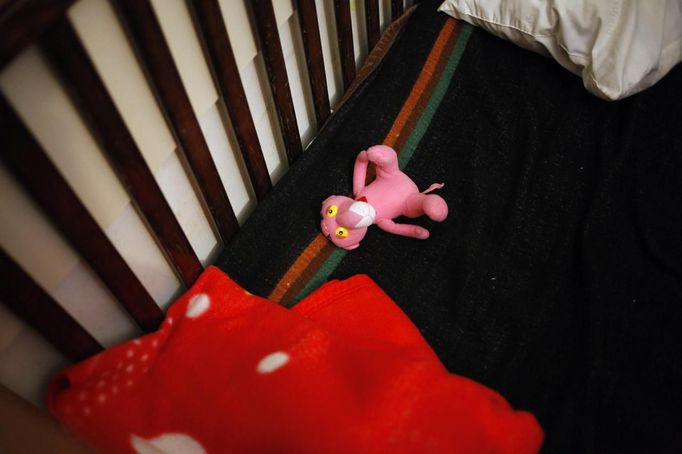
point(431, 205)
point(409, 230)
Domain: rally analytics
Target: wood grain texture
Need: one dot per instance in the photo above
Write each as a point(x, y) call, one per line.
point(372, 20)
point(396, 9)
point(68, 56)
point(27, 161)
point(266, 26)
point(28, 301)
point(153, 51)
point(344, 31)
point(310, 31)
point(216, 43)
point(23, 21)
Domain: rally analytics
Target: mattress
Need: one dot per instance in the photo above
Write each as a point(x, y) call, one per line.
point(557, 278)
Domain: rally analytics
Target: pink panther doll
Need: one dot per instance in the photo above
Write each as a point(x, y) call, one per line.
point(391, 194)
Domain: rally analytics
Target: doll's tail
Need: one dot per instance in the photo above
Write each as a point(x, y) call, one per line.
point(433, 187)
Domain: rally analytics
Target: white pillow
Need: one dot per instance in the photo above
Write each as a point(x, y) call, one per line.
point(620, 47)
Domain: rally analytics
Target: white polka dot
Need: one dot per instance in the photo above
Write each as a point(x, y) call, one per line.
point(198, 305)
point(114, 389)
point(137, 342)
point(169, 321)
point(130, 353)
point(129, 383)
point(169, 443)
point(155, 343)
point(101, 398)
point(100, 384)
point(272, 362)
point(145, 357)
point(130, 368)
point(86, 410)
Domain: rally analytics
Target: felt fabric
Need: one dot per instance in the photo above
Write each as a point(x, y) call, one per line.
point(557, 277)
point(344, 371)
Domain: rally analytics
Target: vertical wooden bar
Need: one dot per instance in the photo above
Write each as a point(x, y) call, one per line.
point(155, 55)
point(266, 26)
point(28, 162)
point(372, 19)
point(396, 9)
point(22, 22)
point(209, 20)
point(28, 428)
point(23, 296)
point(344, 31)
point(70, 59)
point(310, 32)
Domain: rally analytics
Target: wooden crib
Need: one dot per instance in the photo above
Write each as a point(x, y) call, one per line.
point(140, 135)
point(54, 30)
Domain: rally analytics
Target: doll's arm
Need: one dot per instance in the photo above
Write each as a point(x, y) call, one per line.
point(385, 159)
point(409, 230)
point(360, 172)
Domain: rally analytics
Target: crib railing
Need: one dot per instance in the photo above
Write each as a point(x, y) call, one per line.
point(27, 22)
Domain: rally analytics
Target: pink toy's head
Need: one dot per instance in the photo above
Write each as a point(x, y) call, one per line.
point(341, 223)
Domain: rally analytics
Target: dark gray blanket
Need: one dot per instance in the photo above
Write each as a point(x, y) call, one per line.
point(557, 278)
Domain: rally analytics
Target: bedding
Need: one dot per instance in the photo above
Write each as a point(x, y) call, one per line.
point(344, 371)
point(618, 47)
point(556, 279)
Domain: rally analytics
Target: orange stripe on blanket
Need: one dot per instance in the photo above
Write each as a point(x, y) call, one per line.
point(420, 85)
point(308, 273)
point(298, 269)
point(425, 96)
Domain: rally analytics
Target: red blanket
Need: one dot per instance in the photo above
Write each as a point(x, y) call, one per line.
point(343, 371)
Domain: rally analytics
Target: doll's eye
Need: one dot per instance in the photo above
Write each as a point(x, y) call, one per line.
point(341, 232)
point(331, 211)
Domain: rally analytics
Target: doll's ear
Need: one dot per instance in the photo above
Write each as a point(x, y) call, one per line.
point(328, 199)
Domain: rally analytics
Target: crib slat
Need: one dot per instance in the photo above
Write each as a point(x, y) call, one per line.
point(155, 55)
point(69, 57)
point(372, 20)
point(310, 32)
point(34, 306)
point(21, 22)
point(266, 26)
point(396, 9)
point(34, 170)
point(208, 16)
point(344, 31)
